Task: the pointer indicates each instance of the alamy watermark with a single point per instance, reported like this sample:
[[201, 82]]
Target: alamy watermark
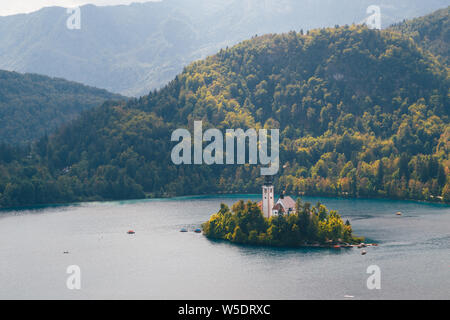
[[374, 20], [73, 22], [374, 281], [73, 282], [235, 143]]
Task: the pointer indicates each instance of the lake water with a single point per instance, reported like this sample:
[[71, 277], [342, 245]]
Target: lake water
[[159, 262]]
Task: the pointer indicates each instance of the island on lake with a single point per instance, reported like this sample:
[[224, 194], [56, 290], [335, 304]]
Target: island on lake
[[284, 223], [307, 226]]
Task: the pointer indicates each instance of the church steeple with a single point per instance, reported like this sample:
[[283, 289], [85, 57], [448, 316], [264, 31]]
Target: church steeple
[[268, 180], [267, 197]]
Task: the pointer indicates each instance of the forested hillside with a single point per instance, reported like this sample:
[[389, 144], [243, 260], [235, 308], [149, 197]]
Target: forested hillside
[[432, 32], [361, 113], [33, 105], [132, 49]]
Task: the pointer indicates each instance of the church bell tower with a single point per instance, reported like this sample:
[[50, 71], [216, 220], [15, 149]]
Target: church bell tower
[[267, 197]]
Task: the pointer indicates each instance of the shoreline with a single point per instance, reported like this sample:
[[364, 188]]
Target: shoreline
[[202, 196], [303, 246]]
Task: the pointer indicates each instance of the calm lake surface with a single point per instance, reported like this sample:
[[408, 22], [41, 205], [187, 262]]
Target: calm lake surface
[[159, 262]]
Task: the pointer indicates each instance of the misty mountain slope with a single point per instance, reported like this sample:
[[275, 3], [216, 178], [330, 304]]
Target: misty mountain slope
[[361, 113], [432, 32], [132, 49], [32, 105]]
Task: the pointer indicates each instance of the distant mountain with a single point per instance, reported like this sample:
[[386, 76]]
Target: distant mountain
[[132, 49], [432, 32], [32, 105], [361, 113]]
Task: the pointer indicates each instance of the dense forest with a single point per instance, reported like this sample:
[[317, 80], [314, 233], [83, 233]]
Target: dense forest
[[33, 105], [432, 32], [245, 224], [361, 113]]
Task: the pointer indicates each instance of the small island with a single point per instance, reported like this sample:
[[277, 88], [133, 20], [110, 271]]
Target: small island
[[281, 223], [309, 226]]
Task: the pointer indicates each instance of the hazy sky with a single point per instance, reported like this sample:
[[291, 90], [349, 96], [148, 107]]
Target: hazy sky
[[8, 7]]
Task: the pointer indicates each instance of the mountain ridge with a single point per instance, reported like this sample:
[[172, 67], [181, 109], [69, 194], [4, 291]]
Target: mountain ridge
[[33, 105], [432, 32], [132, 49]]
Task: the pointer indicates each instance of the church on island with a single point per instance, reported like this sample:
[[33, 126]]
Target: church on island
[[268, 206]]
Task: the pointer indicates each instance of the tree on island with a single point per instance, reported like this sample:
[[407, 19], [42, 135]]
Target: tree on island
[[245, 224]]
